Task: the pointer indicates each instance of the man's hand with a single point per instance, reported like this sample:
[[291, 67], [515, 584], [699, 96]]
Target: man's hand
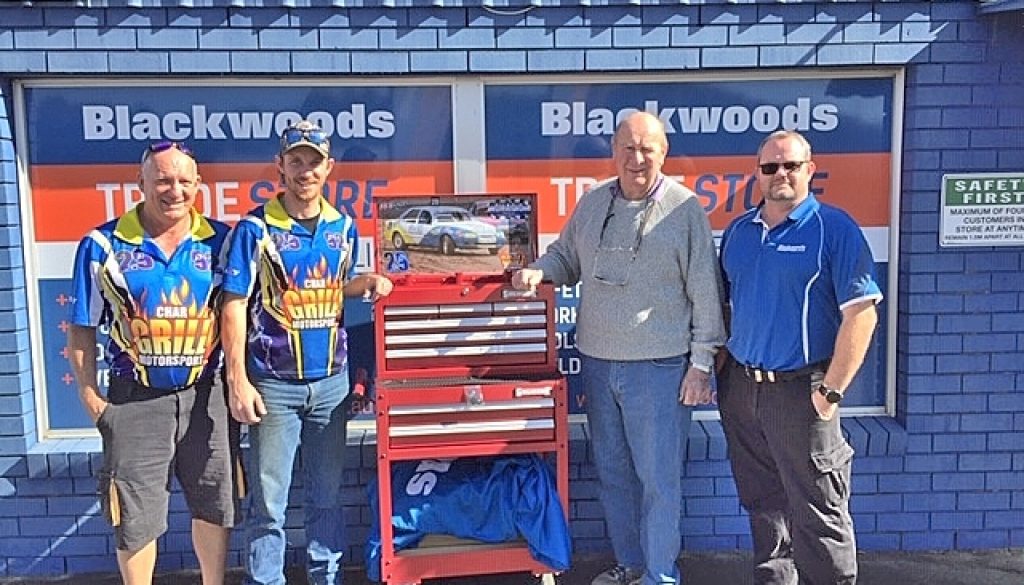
[[377, 286], [246, 402], [527, 279], [825, 409], [93, 403], [696, 388]]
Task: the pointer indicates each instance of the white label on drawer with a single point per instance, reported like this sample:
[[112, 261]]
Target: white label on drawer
[[512, 293], [541, 391]]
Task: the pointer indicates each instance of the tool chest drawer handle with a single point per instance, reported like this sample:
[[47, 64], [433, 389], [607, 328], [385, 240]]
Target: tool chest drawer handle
[[425, 352], [469, 308], [466, 322], [471, 427], [520, 404], [394, 340]]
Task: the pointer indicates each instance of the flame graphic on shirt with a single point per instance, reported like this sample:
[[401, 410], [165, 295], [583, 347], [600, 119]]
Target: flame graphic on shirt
[[313, 300], [179, 332]]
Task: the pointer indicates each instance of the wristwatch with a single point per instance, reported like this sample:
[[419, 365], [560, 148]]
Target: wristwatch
[[832, 396]]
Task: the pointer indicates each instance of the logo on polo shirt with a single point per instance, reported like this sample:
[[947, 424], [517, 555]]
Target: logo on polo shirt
[[335, 241], [201, 260], [285, 242], [791, 248], [178, 333], [316, 302], [131, 260]]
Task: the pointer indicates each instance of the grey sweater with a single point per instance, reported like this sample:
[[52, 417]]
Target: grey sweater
[[670, 303]]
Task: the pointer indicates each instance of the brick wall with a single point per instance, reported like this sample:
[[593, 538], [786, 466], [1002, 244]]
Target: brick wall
[[946, 473], [17, 410], [959, 349]]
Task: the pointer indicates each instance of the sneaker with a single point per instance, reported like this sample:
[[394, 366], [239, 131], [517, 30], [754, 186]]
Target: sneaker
[[619, 575]]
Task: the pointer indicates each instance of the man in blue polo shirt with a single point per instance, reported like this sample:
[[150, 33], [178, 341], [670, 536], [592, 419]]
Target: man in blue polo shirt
[[153, 277], [800, 285], [290, 263]]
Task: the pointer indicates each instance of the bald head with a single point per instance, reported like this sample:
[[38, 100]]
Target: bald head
[[155, 160], [638, 151], [645, 122]]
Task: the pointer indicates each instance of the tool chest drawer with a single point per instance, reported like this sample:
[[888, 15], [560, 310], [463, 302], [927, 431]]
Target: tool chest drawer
[[466, 365]]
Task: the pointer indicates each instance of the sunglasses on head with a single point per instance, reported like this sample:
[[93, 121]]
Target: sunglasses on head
[[314, 136], [772, 168], [166, 145]]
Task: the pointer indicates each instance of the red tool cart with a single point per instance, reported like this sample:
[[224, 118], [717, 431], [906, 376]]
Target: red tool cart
[[466, 365]]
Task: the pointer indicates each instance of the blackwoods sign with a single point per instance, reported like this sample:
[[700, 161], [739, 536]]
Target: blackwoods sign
[[84, 142]]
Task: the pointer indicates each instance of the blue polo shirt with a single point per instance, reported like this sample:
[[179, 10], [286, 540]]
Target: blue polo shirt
[[161, 310], [787, 286], [294, 279]]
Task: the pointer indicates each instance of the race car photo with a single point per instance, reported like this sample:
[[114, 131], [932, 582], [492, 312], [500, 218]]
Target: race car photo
[[443, 228]]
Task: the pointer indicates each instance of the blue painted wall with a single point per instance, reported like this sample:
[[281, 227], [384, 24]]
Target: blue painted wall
[[946, 473]]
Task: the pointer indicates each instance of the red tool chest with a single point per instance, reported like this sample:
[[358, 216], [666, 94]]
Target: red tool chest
[[466, 365]]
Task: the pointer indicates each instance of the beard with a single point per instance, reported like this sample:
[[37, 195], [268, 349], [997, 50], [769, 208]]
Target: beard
[[780, 193]]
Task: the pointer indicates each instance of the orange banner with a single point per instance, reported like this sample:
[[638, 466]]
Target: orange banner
[[69, 200], [858, 183]]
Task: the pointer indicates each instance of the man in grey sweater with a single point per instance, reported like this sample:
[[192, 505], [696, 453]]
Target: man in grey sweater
[[649, 325]]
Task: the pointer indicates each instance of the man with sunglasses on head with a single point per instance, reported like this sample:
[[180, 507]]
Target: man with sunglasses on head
[[290, 264], [800, 286], [153, 276], [649, 324]]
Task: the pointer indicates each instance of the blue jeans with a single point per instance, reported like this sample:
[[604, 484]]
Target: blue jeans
[[313, 414], [638, 431]]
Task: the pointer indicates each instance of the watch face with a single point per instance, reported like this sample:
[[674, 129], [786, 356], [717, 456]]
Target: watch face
[[831, 396]]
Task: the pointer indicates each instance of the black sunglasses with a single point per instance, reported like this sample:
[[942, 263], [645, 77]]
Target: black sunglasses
[[314, 136], [772, 168], [166, 145]]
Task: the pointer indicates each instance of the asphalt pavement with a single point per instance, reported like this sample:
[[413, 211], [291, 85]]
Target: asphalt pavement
[[990, 567]]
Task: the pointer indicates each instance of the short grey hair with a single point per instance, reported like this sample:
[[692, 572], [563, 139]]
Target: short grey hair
[[782, 135]]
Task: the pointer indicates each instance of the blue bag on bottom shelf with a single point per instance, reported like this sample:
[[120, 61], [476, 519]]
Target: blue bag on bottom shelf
[[490, 499]]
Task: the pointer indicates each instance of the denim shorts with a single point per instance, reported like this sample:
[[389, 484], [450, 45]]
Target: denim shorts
[[151, 435]]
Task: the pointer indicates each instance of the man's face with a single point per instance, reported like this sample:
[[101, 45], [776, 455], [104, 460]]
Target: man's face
[[638, 152], [785, 186], [169, 180], [304, 172]]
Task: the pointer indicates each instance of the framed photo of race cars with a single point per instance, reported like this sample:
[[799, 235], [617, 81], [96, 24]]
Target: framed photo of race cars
[[447, 234]]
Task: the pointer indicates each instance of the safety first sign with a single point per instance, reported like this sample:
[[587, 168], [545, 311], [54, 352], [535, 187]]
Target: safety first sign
[[982, 210]]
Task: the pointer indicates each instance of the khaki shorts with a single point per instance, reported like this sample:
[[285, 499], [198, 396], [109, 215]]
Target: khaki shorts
[[151, 435]]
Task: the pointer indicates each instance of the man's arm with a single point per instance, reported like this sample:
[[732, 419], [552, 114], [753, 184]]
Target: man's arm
[[82, 347], [704, 288], [560, 264], [852, 341], [245, 401], [703, 282], [855, 332]]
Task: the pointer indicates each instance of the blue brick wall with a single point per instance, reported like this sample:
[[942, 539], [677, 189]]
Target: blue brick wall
[[956, 358], [17, 410], [946, 473]]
